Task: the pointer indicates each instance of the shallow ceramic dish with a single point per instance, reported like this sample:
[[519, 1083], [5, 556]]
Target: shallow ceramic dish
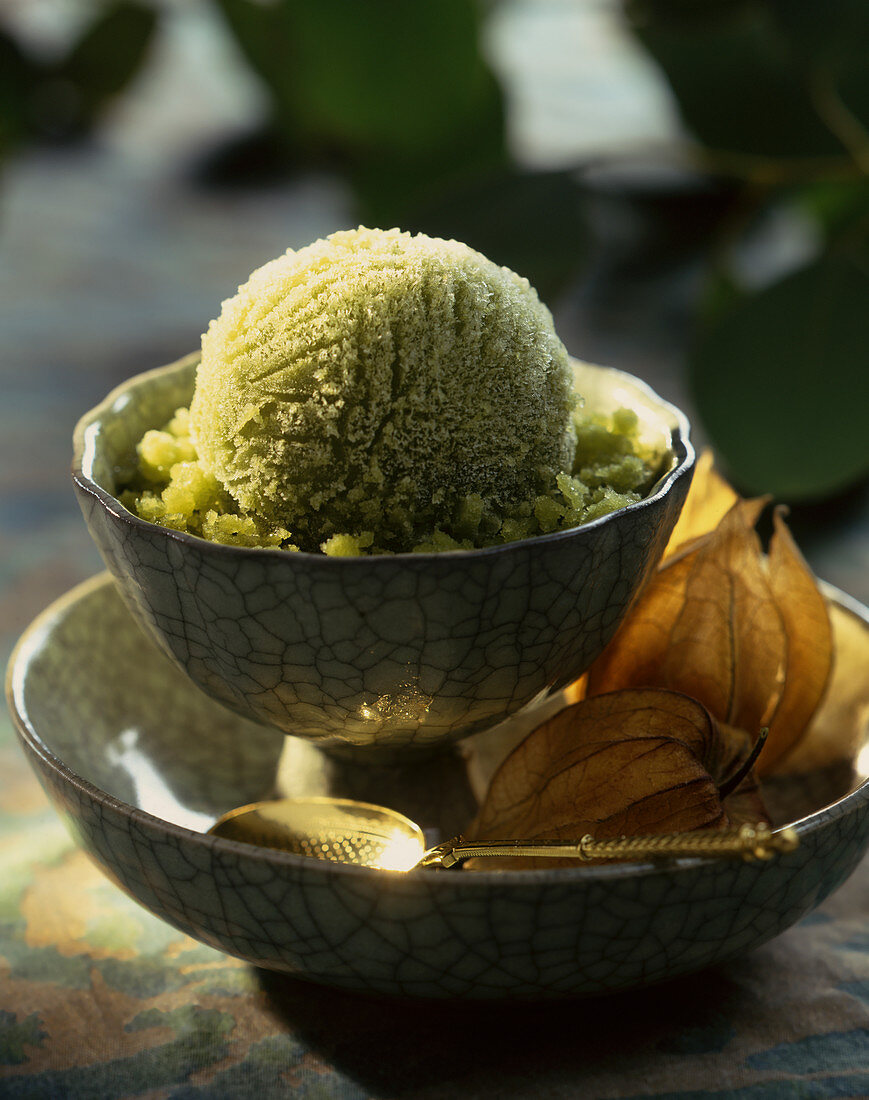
[[140, 765], [394, 652]]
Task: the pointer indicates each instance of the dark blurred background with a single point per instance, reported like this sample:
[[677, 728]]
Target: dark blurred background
[[686, 182]]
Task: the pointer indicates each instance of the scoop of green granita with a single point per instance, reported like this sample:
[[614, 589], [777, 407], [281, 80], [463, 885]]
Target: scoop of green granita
[[381, 392]]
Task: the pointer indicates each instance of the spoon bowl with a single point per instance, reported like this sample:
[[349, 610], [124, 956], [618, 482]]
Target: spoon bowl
[[341, 830]]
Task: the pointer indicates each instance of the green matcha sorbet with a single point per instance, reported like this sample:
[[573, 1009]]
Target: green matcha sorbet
[[380, 392]]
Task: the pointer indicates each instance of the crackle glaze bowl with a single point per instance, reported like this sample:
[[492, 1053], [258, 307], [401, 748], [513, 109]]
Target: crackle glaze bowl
[[140, 765], [394, 653]]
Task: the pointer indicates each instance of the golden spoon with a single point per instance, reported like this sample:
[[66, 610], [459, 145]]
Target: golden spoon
[[343, 830]]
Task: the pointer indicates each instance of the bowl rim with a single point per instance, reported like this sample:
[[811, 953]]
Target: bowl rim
[[32, 640], [683, 466]]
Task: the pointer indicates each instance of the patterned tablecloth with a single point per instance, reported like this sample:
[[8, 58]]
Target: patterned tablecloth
[[107, 270]]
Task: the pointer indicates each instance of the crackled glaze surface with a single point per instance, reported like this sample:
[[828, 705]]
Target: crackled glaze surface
[[396, 652], [84, 677]]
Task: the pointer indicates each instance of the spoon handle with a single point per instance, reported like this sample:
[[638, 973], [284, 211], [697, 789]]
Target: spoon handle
[[748, 842]]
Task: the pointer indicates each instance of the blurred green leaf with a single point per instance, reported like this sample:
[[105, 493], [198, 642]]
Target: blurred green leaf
[[852, 84], [840, 36], [741, 84], [722, 292], [19, 75], [390, 188], [840, 207], [396, 94], [107, 56], [532, 222], [781, 381], [833, 52], [400, 78]]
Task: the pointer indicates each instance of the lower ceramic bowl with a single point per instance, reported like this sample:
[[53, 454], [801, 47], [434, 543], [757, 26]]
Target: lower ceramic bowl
[[140, 764]]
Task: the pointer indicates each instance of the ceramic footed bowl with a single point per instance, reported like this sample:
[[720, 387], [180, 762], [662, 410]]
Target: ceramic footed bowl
[[140, 764], [398, 652]]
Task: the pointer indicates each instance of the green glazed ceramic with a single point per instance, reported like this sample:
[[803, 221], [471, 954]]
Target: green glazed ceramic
[[399, 652], [141, 765]]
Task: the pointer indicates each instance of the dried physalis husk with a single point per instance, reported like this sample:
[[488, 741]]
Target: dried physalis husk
[[709, 500], [839, 730], [624, 764], [746, 635], [706, 625], [809, 656]]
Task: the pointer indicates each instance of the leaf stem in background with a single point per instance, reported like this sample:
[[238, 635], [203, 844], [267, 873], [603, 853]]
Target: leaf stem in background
[[837, 117], [773, 171], [730, 785], [753, 168]]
